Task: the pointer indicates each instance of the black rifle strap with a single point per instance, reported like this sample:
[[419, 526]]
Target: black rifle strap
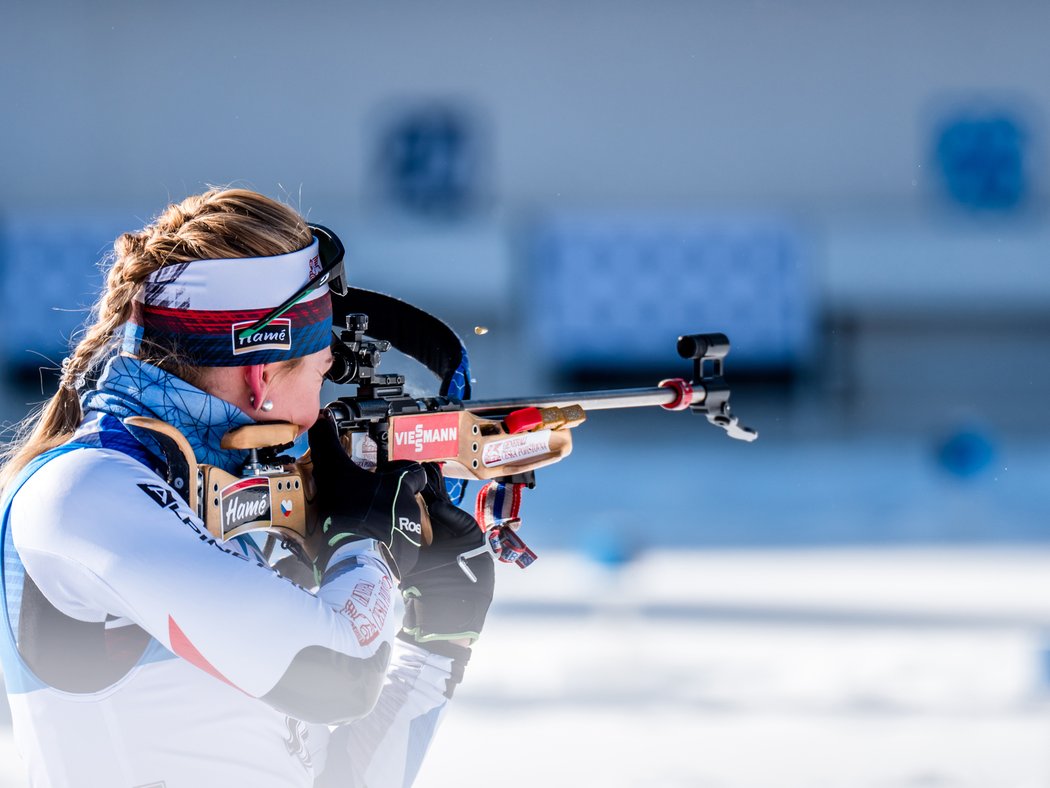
[[411, 331]]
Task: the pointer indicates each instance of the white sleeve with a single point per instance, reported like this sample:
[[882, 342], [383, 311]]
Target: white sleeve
[[102, 535], [386, 748]]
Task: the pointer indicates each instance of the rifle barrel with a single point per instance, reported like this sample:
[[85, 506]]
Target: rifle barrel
[[588, 400]]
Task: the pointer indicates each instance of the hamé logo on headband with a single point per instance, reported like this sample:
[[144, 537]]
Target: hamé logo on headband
[[276, 336]]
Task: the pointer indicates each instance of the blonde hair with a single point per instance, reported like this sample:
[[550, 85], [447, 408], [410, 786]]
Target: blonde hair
[[218, 224]]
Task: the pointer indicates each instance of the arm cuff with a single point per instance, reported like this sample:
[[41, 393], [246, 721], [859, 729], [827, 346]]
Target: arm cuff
[[351, 554], [459, 655]]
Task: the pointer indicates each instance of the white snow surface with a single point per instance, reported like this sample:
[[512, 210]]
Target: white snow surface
[[819, 667], [895, 667]]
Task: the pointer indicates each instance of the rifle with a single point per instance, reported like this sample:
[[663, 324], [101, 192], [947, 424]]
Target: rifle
[[501, 441], [498, 441], [497, 438]]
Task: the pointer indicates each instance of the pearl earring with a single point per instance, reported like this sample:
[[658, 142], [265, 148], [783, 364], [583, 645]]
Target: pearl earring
[[266, 407]]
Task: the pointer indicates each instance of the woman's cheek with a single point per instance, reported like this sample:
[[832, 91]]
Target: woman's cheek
[[310, 419], [311, 411]]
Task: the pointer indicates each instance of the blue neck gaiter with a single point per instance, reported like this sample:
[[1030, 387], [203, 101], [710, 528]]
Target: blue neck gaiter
[[130, 387]]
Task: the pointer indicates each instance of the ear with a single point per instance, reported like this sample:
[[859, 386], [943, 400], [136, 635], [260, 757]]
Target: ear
[[257, 379]]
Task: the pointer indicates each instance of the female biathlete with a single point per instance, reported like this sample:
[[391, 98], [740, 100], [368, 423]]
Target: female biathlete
[[138, 650]]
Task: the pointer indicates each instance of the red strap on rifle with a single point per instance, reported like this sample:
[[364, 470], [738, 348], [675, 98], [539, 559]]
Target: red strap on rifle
[[497, 509]]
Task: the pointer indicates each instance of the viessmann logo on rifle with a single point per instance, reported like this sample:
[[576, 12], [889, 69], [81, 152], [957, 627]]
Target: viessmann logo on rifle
[[243, 502], [425, 437], [276, 336]]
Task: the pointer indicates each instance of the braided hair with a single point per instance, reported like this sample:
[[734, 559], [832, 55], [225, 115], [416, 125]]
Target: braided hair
[[218, 224]]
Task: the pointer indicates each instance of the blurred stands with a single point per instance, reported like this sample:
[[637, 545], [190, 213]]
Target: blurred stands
[[50, 278], [610, 293]]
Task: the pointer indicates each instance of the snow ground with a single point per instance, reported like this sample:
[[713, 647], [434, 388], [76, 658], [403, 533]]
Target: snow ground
[[890, 668], [903, 667]]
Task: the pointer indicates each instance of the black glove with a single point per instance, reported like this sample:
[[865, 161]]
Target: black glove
[[441, 602], [357, 504]]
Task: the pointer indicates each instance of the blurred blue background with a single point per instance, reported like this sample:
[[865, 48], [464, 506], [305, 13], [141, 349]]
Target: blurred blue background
[[857, 194]]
